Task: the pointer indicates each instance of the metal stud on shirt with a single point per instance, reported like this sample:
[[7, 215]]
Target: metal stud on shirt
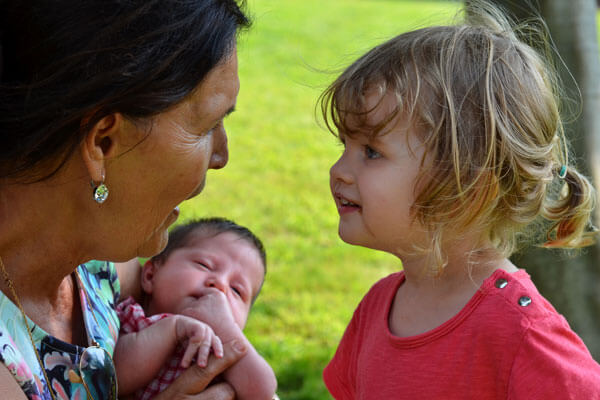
[[501, 283], [524, 301]]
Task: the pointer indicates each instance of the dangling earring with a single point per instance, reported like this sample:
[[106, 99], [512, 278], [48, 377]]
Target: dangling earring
[[100, 191]]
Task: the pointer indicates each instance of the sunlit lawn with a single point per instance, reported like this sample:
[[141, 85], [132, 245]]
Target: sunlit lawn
[[276, 182]]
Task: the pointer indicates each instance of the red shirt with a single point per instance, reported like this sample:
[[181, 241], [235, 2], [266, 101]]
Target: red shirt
[[499, 346]]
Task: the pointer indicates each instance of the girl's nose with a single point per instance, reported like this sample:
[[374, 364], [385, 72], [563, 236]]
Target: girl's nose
[[340, 172]]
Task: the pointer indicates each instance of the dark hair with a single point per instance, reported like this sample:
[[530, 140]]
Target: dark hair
[[181, 235], [65, 64]]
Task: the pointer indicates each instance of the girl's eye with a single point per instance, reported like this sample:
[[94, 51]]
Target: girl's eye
[[371, 153]]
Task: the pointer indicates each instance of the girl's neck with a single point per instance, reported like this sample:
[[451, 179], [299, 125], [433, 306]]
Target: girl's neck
[[464, 266], [426, 300]]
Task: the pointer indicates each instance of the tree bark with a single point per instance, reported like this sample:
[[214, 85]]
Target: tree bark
[[571, 282]]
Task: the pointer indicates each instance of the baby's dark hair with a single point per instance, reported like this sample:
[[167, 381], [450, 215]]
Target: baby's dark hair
[[485, 106], [181, 235]]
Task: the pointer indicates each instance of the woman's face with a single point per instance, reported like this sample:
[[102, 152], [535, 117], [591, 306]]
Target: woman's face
[[169, 166]]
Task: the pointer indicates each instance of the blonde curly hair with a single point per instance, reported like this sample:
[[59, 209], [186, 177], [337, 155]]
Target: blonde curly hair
[[485, 105]]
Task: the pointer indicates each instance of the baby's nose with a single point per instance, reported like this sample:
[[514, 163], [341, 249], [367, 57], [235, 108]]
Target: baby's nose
[[216, 283]]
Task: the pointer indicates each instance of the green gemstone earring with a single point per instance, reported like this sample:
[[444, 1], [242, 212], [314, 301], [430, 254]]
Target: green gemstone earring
[[100, 191]]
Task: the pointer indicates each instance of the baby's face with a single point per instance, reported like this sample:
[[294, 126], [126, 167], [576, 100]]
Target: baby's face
[[225, 262]]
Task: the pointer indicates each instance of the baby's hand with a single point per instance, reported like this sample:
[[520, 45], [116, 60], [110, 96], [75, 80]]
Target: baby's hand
[[198, 338], [212, 308]]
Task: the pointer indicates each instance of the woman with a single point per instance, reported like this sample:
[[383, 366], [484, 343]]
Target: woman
[[128, 97]]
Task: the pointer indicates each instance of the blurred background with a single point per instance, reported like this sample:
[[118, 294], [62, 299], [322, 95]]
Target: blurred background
[[277, 179]]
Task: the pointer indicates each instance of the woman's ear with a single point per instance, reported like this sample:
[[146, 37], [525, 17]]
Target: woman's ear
[[148, 271], [100, 144]]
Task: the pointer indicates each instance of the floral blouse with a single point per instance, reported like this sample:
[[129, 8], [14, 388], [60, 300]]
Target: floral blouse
[[97, 283]]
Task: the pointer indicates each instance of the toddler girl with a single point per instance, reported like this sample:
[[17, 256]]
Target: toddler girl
[[452, 145]]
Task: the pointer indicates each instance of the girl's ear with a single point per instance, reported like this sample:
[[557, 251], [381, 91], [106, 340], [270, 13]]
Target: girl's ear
[[148, 271], [100, 144]]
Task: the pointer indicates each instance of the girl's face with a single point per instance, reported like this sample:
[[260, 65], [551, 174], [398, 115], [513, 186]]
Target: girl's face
[[373, 185], [168, 166]]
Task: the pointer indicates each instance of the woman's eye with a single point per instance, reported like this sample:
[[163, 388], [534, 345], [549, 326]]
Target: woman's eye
[[211, 130], [371, 153], [217, 126]]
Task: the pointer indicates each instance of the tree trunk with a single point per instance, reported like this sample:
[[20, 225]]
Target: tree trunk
[[571, 282]]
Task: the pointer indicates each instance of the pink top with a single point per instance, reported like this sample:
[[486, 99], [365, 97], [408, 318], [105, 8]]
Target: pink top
[[133, 319], [508, 342]]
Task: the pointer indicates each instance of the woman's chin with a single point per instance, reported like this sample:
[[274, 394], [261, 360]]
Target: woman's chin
[[155, 245], [158, 241]]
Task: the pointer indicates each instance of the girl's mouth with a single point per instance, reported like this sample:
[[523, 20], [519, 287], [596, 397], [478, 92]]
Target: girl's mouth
[[347, 203], [346, 206]]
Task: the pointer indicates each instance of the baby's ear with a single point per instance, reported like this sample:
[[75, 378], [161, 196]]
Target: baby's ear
[[148, 276]]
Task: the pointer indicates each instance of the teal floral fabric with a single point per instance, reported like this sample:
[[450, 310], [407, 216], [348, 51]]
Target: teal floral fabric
[[97, 283]]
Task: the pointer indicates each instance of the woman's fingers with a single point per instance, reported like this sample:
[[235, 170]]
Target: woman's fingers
[[190, 384], [220, 391]]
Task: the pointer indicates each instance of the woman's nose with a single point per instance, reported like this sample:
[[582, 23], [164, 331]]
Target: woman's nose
[[220, 154]]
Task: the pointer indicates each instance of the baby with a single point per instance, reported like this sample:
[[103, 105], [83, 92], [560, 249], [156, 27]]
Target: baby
[[196, 295]]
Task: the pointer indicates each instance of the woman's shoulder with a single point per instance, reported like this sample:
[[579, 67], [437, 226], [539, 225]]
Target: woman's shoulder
[[100, 276], [17, 356]]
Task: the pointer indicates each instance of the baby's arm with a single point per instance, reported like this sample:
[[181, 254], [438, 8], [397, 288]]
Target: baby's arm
[[139, 356], [251, 377]]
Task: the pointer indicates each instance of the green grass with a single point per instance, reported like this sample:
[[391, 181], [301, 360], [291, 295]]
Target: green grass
[[277, 180]]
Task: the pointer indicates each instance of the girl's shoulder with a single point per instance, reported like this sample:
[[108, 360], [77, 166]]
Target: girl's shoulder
[[544, 343], [383, 289], [514, 296]]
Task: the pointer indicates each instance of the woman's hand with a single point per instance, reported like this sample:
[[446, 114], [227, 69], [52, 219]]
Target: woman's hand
[[192, 384]]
